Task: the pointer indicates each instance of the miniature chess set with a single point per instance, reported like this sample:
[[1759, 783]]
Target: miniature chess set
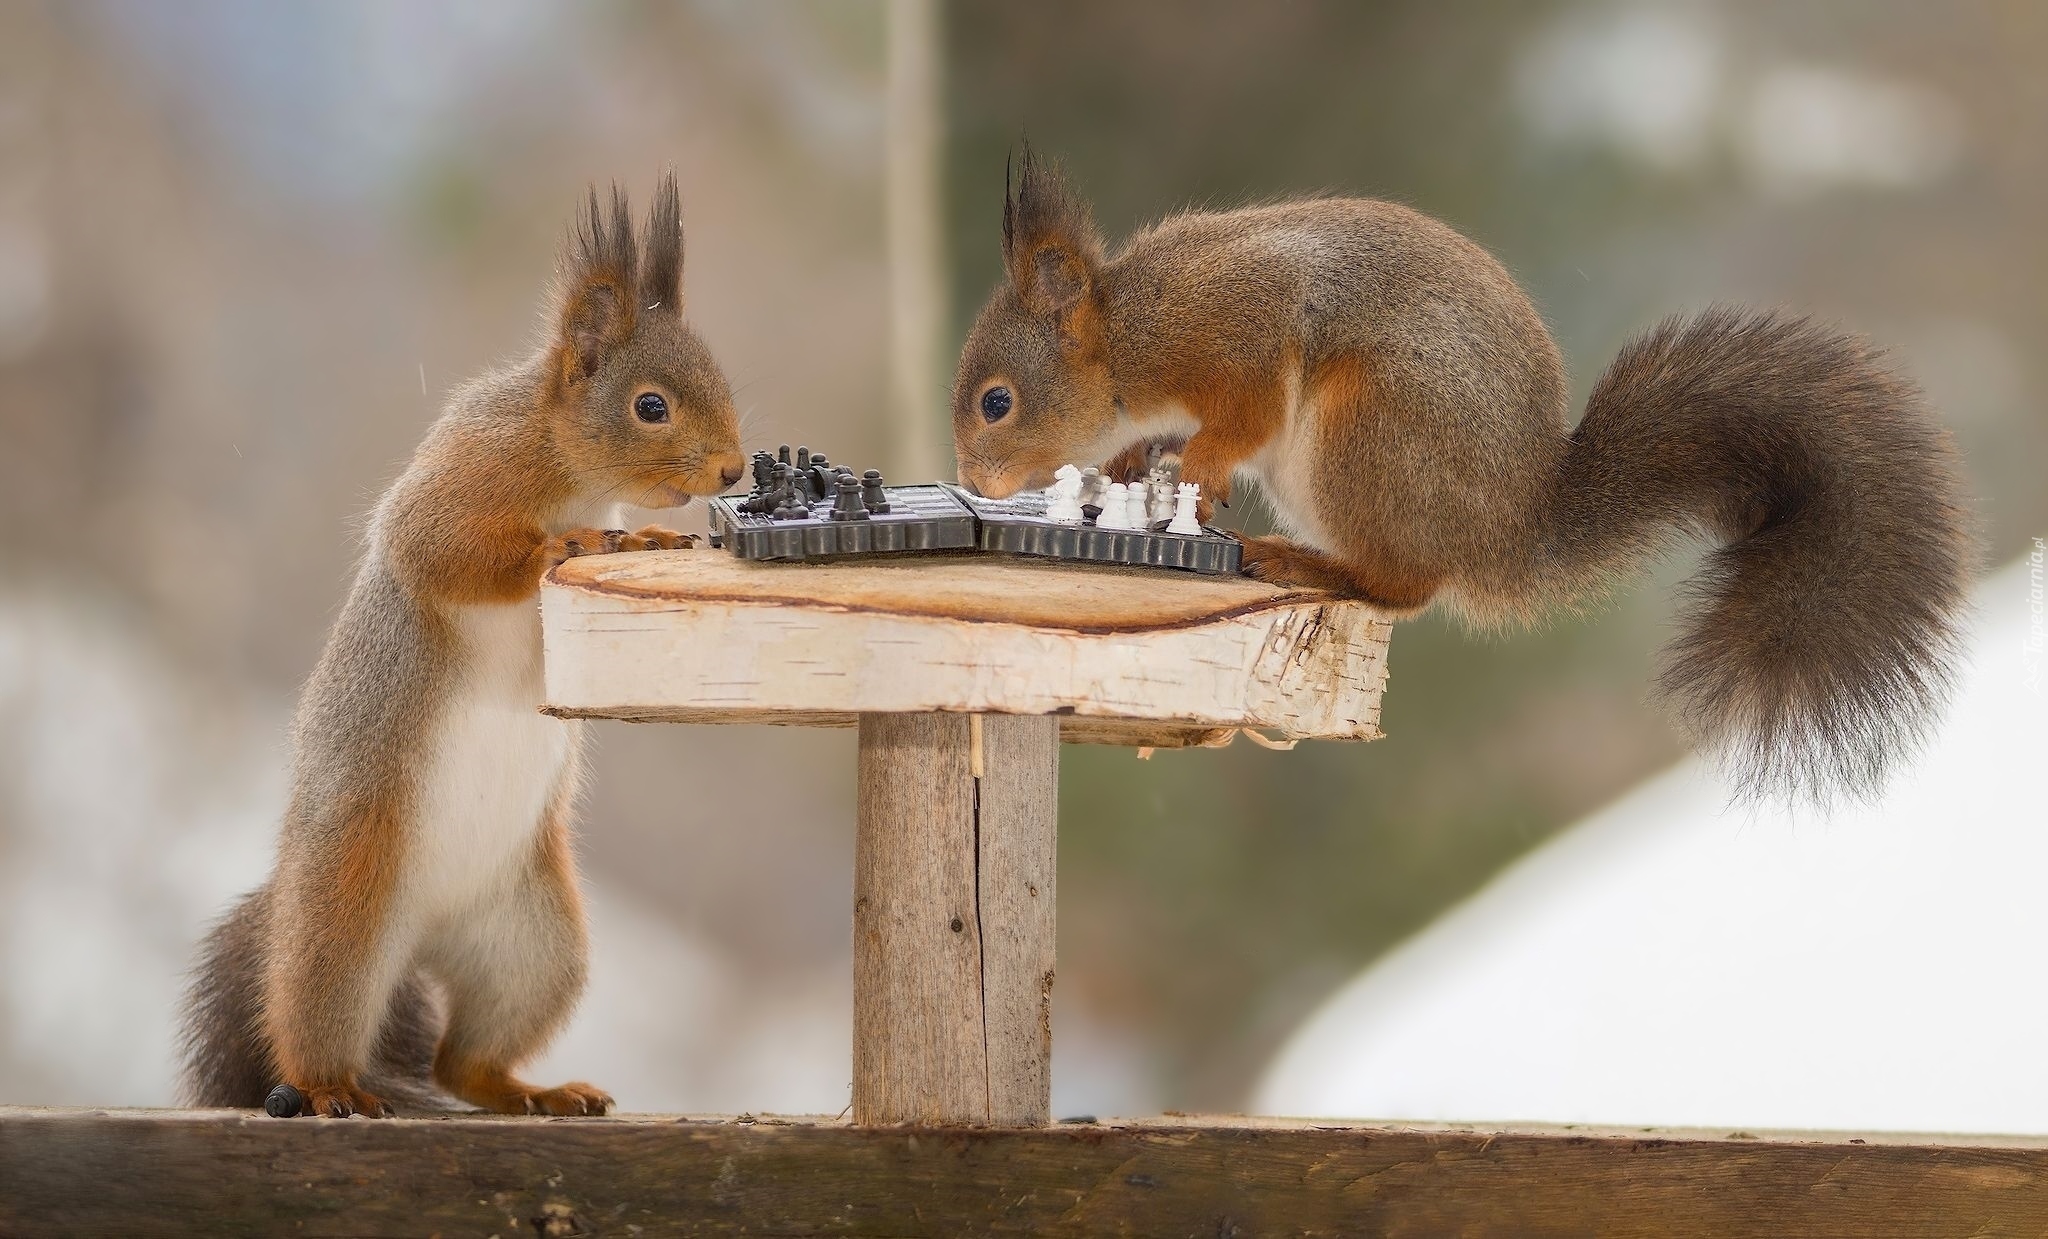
[[802, 506]]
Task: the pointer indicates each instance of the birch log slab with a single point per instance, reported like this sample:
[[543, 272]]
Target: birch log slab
[[1124, 655]]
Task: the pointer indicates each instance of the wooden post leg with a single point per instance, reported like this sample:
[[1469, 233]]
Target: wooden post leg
[[953, 921]]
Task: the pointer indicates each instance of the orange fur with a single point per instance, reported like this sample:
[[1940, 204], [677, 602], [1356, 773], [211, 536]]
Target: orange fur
[[425, 847], [1430, 454]]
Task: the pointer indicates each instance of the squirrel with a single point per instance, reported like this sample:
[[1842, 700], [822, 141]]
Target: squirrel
[[422, 927], [1402, 409]]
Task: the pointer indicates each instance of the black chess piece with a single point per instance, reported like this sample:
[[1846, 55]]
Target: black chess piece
[[871, 492], [782, 454], [773, 494], [1089, 511], [846, 506], [803, 458], [764, 471], [820, 482], [284, 1102]]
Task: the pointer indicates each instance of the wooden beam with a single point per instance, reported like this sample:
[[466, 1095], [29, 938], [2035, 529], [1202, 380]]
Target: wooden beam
[[170, 1173], [953, 920]]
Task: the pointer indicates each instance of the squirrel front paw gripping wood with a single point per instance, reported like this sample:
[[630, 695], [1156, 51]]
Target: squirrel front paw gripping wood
[[422, 926], [1402, 408]]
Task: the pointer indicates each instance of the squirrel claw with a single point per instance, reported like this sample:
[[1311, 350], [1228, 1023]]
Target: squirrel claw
[[656, 538], [342, 1100], [570, 1099], [578, 542]]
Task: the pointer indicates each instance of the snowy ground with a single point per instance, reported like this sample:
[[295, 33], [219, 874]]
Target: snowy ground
[[1674, 962]]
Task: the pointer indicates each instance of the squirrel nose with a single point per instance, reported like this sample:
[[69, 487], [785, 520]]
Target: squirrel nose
[[731, 474]]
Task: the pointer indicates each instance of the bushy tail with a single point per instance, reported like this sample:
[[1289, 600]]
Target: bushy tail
[[1817, 642], [228, 1060]]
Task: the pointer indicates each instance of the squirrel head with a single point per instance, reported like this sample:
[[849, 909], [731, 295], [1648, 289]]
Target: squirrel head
[[641, 411], [1034, 391]]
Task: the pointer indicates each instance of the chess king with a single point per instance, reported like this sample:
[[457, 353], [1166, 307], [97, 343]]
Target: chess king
[[1402, 407], [425, 848]]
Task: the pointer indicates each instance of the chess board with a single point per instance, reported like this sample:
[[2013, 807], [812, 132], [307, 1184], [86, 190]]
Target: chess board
[[920, 518], [1018, 526], [802, 507]]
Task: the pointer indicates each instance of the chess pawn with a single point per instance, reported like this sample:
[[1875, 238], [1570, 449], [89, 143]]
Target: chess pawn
[[1137, 509], [871, 493], [1158, 502], [1116, 508], [1092, 486], [846, 506], [1184, 514]]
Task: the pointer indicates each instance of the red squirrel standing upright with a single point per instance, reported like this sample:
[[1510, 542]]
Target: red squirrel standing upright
[[423, 921], [1402, 408]]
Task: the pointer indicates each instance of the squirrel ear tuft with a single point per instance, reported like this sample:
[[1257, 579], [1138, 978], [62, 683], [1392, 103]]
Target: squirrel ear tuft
[[597, 296], [1051, 247], [661, 279]]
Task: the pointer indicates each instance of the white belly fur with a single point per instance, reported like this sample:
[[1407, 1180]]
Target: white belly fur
[[1285, 470], [494, 764]]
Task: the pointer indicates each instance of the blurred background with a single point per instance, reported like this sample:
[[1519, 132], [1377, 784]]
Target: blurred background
[[246, 249]]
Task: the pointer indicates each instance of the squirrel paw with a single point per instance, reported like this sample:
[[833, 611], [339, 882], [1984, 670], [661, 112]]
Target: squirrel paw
[[1279, 561], [339, 1101], [569, 1099], [575, 542], [655, 538], [1130, 464], [495, 1088], [510, 1096]]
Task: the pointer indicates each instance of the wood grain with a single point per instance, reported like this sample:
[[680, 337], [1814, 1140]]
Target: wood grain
[[953, 911], [918, 1049], [1129, 733], [704, 637], [974, 588], [214, 1173], [1017, 816]]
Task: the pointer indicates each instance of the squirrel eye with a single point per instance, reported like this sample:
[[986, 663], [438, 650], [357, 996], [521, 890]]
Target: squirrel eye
[[995, 404], [650, 407]]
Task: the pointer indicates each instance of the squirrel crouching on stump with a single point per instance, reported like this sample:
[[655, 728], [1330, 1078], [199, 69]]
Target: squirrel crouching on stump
[[1403, 409], [422, 926]]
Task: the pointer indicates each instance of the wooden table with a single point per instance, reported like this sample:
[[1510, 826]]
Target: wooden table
[[964, 674]]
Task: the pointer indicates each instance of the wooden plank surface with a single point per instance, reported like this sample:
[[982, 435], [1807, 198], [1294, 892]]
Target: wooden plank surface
[[1128, 733], [170, 1174], [918, 1048], [953, 921], [1017, 816], [700, 636]]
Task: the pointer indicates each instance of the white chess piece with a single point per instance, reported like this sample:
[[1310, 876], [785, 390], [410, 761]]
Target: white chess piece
[[1137, 511], [1158, 500], [1184, 512], [1116, 508], [1066, 496], [1092, 486]]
